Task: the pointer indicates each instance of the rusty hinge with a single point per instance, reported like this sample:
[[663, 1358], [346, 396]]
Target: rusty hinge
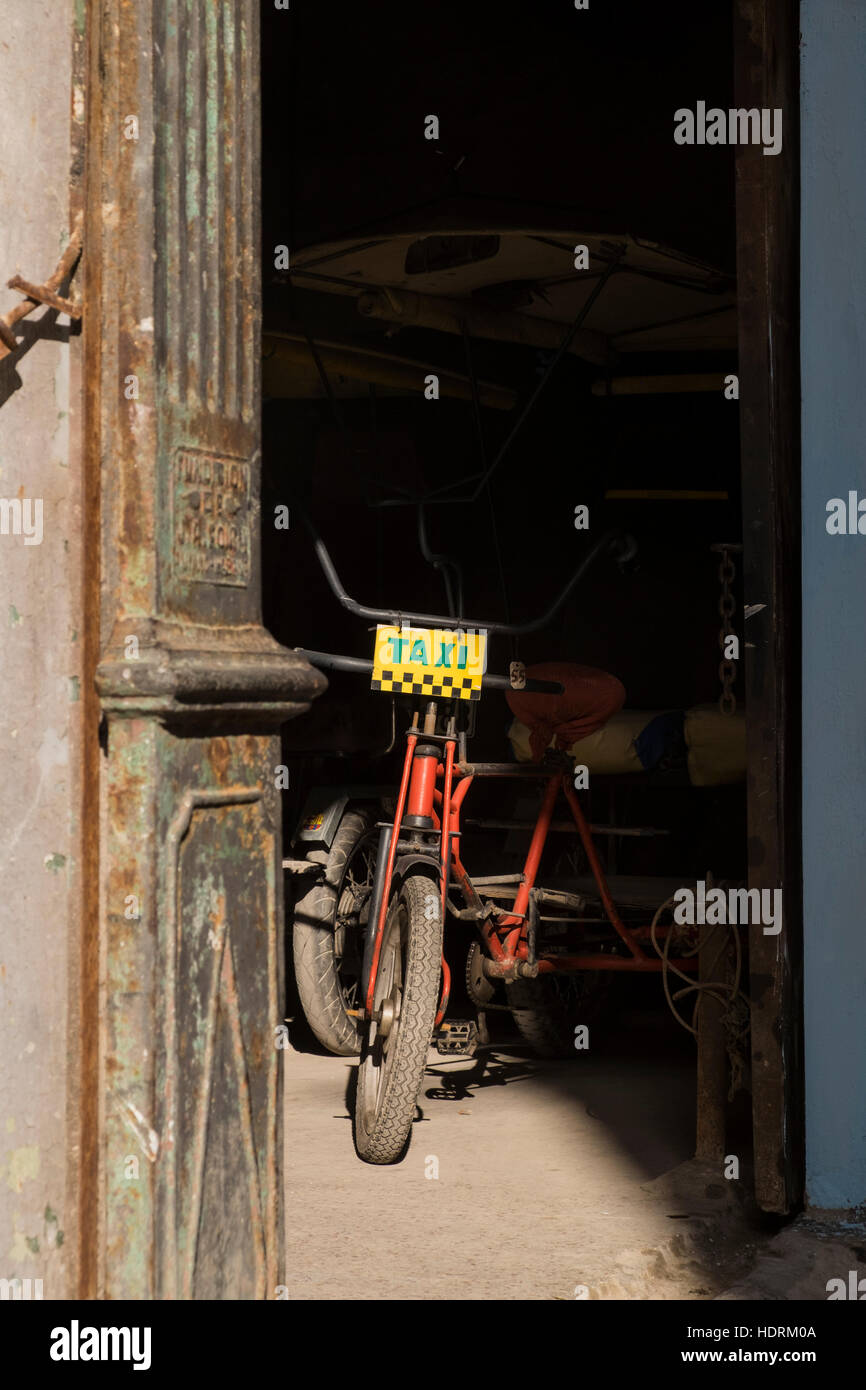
[[46, 293]]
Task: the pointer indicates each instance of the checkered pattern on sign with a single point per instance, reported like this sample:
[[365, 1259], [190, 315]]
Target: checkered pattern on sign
[[443, 688]]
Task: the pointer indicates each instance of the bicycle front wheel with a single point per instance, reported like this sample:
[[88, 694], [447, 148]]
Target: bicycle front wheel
[[394, 1052]]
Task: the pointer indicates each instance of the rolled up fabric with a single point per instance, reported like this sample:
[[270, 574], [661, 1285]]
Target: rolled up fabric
[[589, 699]]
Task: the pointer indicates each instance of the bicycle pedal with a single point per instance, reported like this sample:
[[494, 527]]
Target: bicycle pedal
[[457, 1039]]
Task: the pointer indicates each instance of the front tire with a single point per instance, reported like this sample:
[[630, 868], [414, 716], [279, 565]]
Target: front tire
[[394, 1055], [328, 933]]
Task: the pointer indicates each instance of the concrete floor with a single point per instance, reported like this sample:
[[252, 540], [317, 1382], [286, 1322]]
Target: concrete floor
[[545, 1180]]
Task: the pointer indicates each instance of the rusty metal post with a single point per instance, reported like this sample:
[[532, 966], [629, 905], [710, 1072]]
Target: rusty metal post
[[767, 55], [181, 1193]]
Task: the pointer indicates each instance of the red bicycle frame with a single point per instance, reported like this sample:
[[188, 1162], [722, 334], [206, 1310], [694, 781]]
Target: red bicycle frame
[[430, 781]]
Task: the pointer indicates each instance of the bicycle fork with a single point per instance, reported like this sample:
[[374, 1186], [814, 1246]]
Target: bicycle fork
[[415, 814]]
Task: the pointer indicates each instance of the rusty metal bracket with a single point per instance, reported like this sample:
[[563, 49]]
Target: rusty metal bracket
[[46, 293]]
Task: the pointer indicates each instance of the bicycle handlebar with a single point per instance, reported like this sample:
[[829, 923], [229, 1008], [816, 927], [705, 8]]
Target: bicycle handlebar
[[359, 667], [613, 541]]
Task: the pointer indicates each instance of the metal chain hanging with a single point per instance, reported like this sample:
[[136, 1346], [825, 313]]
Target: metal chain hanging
[[727, 608]]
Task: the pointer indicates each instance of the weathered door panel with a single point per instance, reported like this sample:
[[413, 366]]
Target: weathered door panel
[[192, 688], [219, 1068]]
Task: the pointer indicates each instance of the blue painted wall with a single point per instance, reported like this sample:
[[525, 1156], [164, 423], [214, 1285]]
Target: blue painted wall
[[833, 362]]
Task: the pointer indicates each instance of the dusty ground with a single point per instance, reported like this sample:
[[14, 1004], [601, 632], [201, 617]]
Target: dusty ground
[[550, 1182], [803, 1260]]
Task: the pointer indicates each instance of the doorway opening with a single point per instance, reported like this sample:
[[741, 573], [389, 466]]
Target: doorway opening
[[501, 320]]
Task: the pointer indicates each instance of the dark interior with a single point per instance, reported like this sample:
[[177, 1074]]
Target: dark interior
[[517, 90]]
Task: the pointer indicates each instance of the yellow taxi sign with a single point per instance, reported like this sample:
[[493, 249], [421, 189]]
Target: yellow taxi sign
[[439, 663]]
